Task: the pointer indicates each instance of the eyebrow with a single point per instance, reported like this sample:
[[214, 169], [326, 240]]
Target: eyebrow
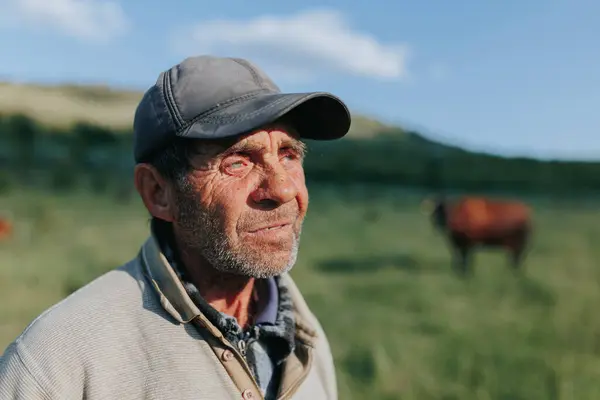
[[248, 147], [296, 145]]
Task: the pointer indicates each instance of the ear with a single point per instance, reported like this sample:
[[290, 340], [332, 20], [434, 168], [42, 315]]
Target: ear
[[154, 191]]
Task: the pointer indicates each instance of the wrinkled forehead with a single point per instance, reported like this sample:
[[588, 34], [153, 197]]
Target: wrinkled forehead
[[281, 134]]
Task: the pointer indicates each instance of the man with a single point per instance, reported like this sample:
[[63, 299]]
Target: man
[[207, 309]]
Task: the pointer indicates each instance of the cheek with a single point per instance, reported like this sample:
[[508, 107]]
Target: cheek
[[230, 201], [223, 197], [215, 191], [297, 176]]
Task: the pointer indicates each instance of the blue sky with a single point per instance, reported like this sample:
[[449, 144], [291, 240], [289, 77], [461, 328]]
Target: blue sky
[[511, 77]]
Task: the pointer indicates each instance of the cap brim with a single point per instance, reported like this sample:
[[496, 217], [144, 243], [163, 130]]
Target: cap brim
[[315, 115]]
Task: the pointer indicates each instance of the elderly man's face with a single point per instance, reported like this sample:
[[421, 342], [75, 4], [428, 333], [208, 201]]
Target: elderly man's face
[[243, 205]]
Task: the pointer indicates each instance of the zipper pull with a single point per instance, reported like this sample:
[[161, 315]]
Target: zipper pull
[[242, 347]]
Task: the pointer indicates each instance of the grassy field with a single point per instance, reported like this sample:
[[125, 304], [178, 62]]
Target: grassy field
[[402, 326]]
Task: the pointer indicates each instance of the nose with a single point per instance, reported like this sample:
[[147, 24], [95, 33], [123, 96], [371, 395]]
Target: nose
[[277, 188]]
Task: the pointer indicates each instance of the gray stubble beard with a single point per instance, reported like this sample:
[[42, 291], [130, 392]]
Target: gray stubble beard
[[203, 232]]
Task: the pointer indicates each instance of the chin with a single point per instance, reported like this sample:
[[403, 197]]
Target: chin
[[266, 260], [281, 250], [265, 273], [276, 263]]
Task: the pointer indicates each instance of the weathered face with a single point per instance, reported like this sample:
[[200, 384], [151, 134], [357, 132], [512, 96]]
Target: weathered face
[[242, 206]]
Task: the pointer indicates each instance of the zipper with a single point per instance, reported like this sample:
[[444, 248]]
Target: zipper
[[247, 339], [240, 352], [242, 347]]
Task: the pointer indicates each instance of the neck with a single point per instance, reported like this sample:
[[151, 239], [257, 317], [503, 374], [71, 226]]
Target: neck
[[228, 293]]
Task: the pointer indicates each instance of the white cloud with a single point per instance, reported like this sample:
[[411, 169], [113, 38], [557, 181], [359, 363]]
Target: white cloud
[[89, 20], [299, 46]]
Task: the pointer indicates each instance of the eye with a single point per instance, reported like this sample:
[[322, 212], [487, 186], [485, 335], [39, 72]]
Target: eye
[[289, 153], [236, 163]]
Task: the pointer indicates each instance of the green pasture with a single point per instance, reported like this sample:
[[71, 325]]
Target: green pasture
[[401, 324]]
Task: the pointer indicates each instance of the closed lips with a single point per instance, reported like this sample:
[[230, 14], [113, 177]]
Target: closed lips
[[270, 227]]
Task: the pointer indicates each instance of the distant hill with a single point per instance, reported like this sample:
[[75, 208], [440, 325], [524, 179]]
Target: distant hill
[[392, 154], [62, 105]]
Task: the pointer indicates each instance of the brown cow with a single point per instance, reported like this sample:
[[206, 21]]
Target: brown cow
[[471, 222], [5, 229]]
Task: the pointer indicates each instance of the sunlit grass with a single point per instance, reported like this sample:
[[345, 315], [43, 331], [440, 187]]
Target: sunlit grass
[[401, 325]]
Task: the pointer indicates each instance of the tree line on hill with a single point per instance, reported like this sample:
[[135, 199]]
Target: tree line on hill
[[34, 154]]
